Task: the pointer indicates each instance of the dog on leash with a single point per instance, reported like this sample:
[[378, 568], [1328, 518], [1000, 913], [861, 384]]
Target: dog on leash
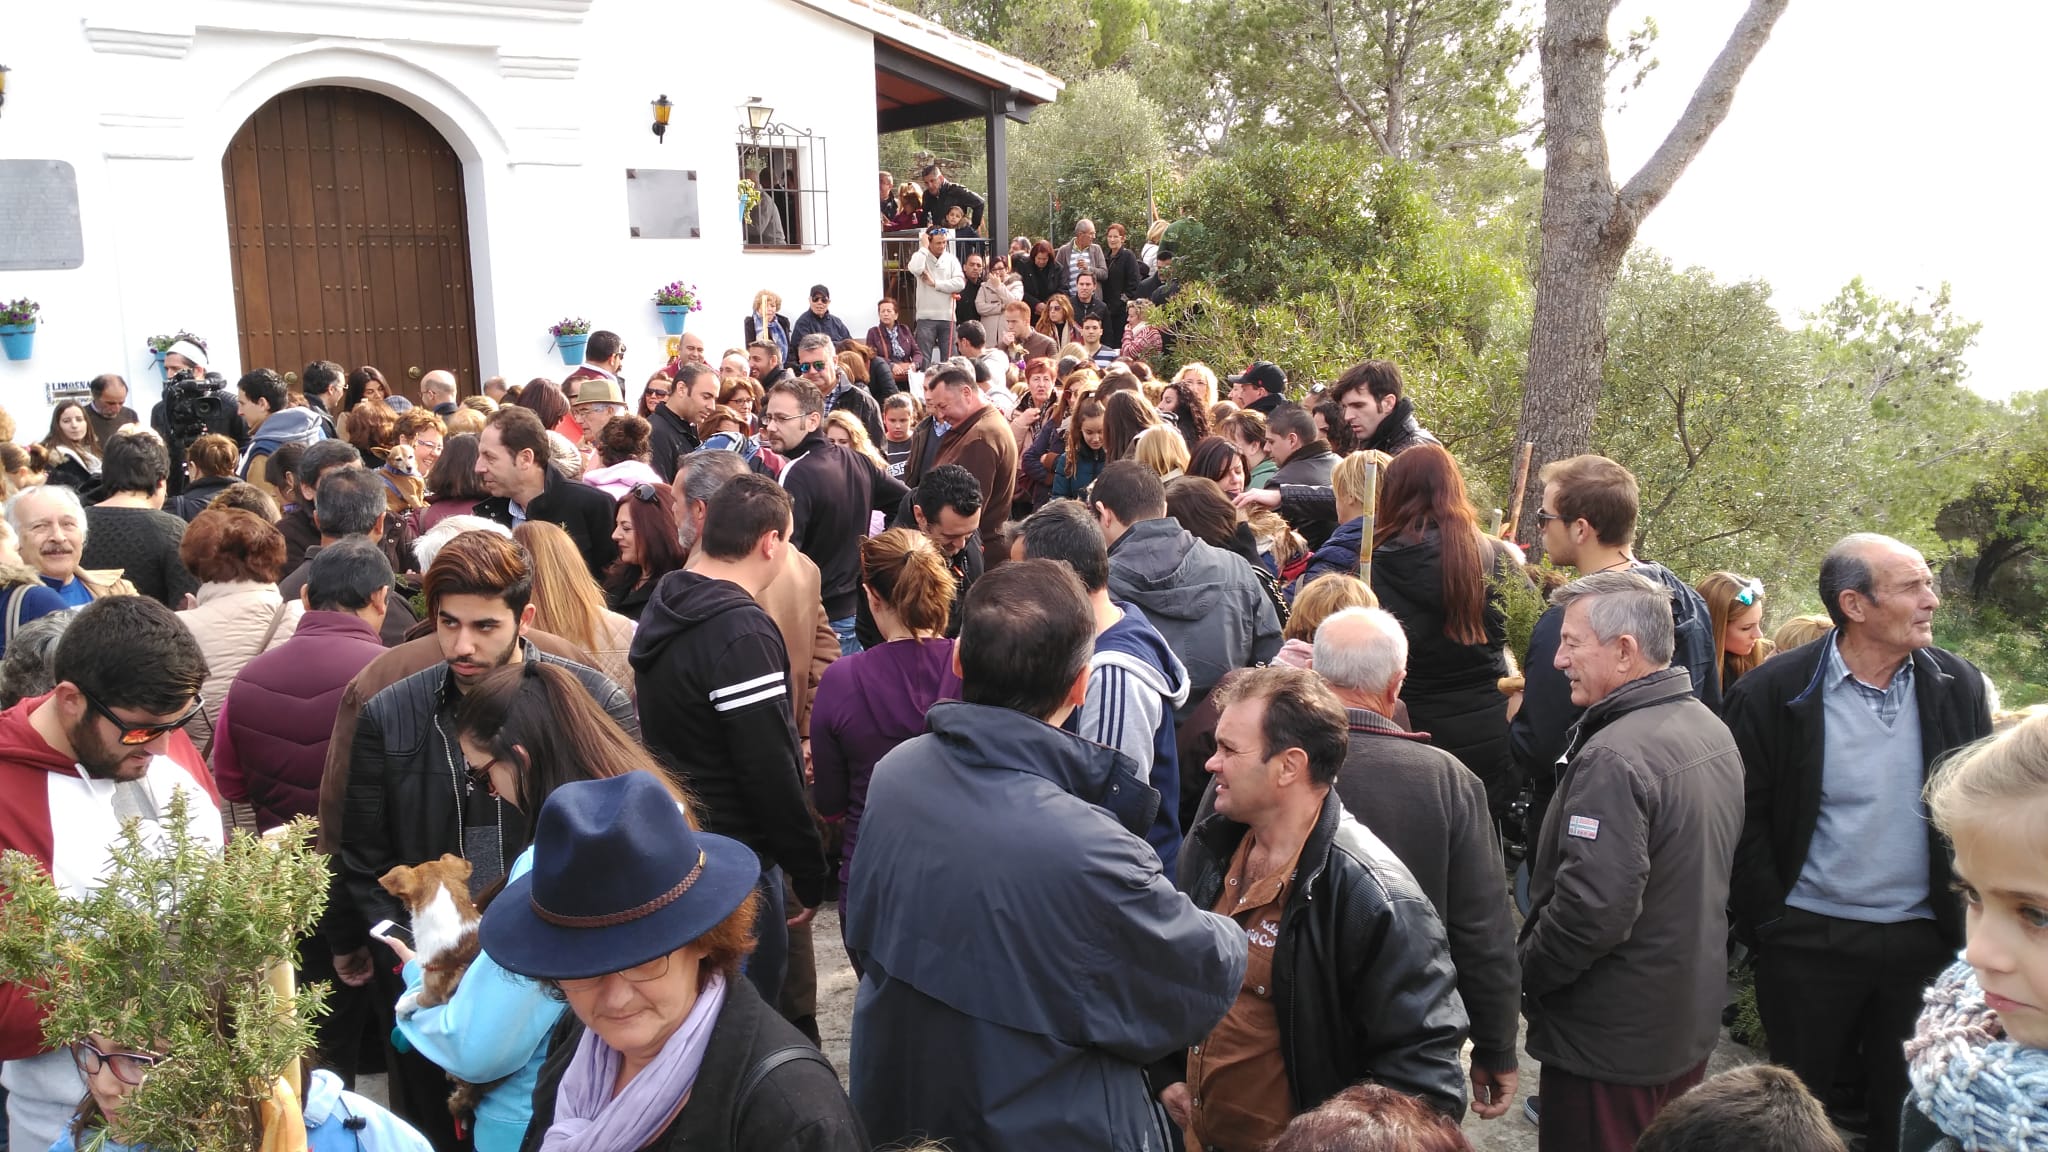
[[444, 926]]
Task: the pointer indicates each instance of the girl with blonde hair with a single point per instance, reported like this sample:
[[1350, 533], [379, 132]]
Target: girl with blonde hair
[[568, 602], [1978, 1058], [1161, 449]]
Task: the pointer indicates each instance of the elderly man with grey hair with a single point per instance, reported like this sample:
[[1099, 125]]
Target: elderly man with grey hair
[[1431, 810], [1624, 963], [1841, 881]]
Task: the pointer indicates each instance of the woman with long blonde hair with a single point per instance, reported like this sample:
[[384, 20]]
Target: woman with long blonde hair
[[568, 602], [1736, 606], [1161, 449]]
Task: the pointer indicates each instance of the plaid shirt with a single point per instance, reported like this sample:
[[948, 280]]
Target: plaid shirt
[[1885, 702]]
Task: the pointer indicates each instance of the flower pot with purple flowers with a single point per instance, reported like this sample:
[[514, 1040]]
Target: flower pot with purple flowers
[[18, 320], [675, 301], [570, 337]]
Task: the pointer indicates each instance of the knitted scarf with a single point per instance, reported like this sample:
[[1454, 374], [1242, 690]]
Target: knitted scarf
[[1987, 1092]]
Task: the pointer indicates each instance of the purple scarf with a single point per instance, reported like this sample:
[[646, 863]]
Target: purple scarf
[[588, 1118]]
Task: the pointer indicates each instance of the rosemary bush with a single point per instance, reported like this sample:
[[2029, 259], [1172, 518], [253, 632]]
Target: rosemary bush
[[169, 956]]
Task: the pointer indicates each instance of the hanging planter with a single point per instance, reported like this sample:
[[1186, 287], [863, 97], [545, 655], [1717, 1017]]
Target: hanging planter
[[570, 337], [675, 301], [18, 328]]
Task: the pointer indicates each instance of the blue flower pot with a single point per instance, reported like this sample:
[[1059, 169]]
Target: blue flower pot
[[156, 361], [17, 340], [571, 347], [672, 317]]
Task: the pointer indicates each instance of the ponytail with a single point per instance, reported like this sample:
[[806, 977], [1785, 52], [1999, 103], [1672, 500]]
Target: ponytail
[[905, 570]]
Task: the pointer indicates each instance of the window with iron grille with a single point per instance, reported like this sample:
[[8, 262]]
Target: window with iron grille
[[788, 165]]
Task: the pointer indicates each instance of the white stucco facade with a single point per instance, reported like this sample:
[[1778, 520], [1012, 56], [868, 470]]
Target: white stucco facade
[[546, 102]]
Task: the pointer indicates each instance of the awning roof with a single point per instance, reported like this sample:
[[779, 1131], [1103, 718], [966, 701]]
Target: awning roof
[[927, 74]]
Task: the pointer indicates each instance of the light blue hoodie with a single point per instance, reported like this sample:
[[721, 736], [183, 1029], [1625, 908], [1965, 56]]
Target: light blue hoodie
[[495, 1027], [337, 1120]]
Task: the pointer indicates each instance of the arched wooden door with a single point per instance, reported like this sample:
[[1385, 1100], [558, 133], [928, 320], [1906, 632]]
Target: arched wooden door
[[350, 239]]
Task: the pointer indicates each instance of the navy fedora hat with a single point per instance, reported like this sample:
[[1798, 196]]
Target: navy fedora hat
[[619, 878]]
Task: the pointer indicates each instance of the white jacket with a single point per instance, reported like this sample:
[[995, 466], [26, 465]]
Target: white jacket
[[935, 300], [230, 623]]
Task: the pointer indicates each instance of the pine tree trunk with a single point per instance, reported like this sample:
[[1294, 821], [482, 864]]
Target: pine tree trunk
[[1588, 224]]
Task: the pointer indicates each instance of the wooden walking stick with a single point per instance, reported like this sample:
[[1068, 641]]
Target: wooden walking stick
[[1522, 460], [1372, 503]]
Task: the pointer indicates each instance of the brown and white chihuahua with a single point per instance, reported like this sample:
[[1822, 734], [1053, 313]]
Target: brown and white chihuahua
[[444, 926]]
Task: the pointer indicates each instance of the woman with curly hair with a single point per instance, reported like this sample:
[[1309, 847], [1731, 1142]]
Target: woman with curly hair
[[1184, 411]]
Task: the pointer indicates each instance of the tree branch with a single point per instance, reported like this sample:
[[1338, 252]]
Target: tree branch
[[1709, 106], [1379, 138]]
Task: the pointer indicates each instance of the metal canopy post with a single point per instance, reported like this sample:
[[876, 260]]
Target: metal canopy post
[[997, 227]]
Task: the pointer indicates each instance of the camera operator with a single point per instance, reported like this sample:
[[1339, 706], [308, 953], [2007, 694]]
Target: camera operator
[[197, 396]]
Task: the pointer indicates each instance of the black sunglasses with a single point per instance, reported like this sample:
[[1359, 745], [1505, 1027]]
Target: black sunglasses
[[1543, 518], [134, 734], [646, 494]]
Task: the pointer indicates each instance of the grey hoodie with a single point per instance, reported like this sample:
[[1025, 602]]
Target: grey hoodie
[[1204, 601]]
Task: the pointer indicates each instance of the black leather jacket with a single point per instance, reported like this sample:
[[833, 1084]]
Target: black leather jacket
[[1362, 976], [408, 795]]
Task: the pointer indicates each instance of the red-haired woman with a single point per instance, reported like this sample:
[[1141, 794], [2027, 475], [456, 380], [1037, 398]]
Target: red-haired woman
[[645, 531], [1439, 575]]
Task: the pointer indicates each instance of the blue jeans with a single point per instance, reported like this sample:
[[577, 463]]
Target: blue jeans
[[849, 643], [770, 962]]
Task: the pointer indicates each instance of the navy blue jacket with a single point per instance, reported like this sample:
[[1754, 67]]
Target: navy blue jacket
[[1023, 955]]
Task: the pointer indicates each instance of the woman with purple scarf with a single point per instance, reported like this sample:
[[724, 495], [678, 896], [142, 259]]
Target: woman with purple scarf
[[641, 924]]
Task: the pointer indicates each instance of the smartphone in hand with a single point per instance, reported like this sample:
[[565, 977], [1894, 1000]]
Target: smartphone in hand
[[390, 930]]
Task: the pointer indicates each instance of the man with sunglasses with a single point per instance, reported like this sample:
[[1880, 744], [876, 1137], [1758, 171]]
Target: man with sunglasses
[[103, 747], [815, 361]]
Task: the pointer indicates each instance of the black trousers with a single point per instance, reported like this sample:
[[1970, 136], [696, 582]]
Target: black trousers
[[1825, 985]]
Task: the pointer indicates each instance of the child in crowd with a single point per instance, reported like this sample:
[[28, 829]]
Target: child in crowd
[[1754, 1108], [1084, 458], [899, 414], [1979, 1057]]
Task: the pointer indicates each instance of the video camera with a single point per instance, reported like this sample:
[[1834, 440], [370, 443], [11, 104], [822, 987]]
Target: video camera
[[196, 406]]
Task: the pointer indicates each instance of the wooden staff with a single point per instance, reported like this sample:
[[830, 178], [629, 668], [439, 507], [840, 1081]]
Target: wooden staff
[[1522, 461], [1372, 503]]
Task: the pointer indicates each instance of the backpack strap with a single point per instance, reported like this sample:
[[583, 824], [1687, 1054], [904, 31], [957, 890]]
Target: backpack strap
[[763, 1070], [14, 601]]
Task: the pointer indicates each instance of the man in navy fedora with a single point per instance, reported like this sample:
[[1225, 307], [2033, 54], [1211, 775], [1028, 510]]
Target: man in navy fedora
[[1023, 955], [643, 923]]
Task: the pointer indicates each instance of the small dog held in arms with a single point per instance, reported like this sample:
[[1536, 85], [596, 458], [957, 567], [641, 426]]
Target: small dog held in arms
[[405, 489], [444, 924]]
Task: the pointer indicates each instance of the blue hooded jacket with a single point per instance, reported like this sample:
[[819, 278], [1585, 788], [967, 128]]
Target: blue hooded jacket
[[330, 1110], [1134, 684], [291, 426]]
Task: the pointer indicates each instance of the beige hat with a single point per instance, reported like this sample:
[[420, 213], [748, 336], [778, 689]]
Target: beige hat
[[598, 390]]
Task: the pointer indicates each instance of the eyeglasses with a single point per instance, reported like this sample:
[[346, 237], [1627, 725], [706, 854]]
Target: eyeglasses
[[814, 365], [134, 734], [658, 393], [646, 973], [130, 1068], [646, 494], [1544, 518], [821, 299], [480, 774], [1750, 593], [784, 418]]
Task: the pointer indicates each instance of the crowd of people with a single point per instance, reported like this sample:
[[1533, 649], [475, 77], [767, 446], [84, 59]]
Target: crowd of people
[[1200, 797]]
